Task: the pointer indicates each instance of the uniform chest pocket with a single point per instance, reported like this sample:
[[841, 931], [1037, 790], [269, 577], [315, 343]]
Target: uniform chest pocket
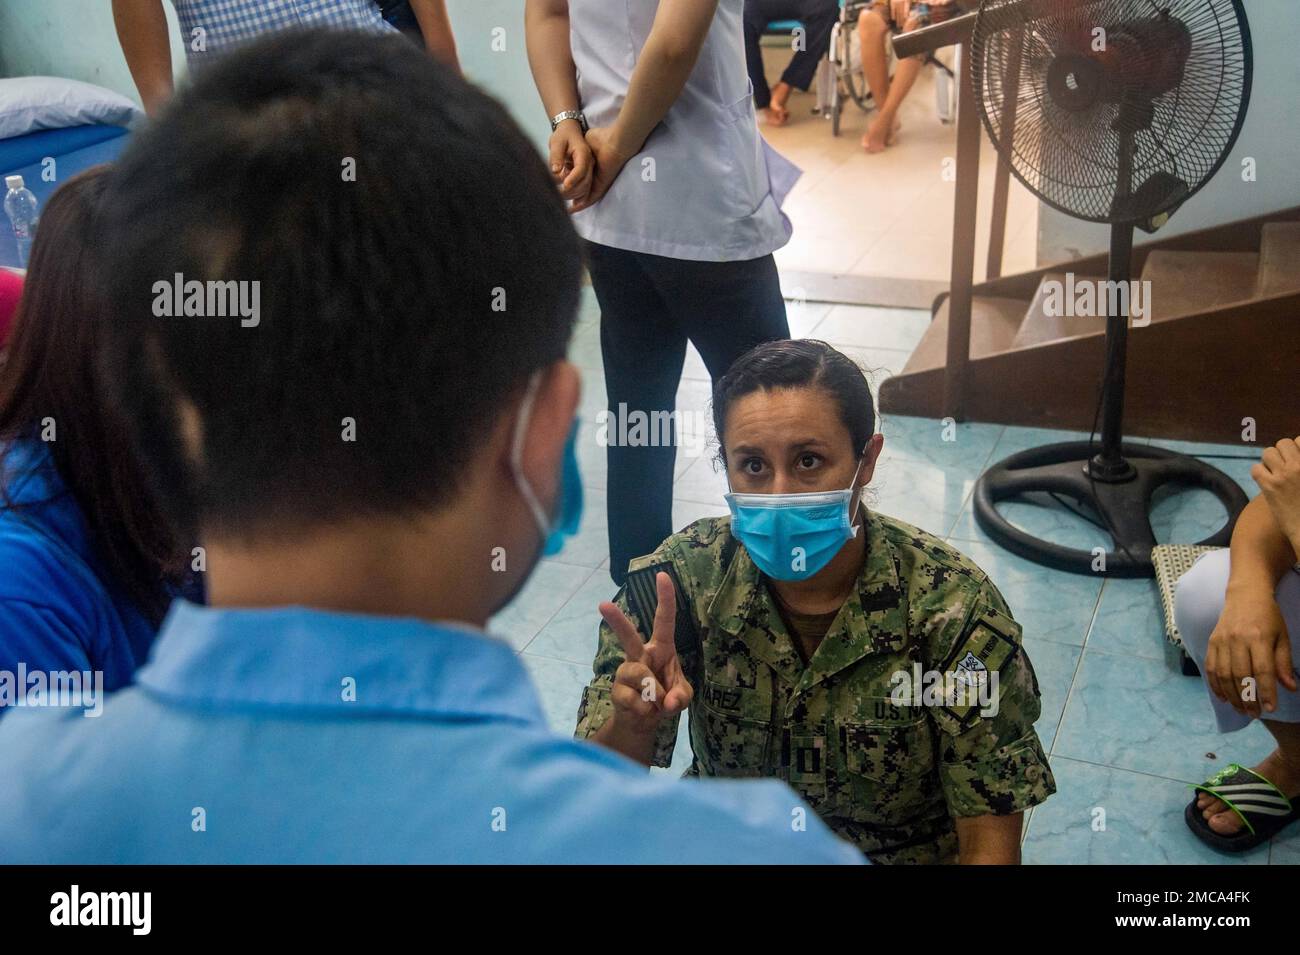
[[731, 730], [888, 771]]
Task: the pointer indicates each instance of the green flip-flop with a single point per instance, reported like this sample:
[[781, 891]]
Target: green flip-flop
[[1263, 809]]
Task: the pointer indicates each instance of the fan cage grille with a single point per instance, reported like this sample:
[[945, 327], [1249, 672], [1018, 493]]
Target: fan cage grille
[[1070, 158]]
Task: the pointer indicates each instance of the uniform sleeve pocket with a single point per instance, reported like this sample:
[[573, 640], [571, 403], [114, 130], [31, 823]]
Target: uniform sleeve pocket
[[1006, 781]]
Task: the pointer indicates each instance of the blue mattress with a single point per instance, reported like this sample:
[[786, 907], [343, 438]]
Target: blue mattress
[[74, 150]]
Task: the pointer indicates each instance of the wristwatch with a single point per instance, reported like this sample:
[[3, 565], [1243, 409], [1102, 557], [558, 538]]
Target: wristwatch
[[569, 114]]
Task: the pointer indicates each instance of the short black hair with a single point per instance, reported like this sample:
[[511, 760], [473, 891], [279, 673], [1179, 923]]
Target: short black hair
[[798, 363], [415, 263]]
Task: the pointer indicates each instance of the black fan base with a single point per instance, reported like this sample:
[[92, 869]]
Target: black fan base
[[1121, 493]]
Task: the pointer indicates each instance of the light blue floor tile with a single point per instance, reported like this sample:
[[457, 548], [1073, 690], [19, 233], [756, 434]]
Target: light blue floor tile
[[1047, 519], [1144, 715], [877, 363], [1185, 515], [1049, 605], [1286, 847], [928, 496], [1199, 448], [547, 590], [1239, 471], [592, 463], [588, 306], [805, 317], [963, 446], [695, 368], [1143, 821], [584, 351], [871, 327], [1130, 621], [1016, 439], [559, 685], [593, 398], [571, 634], [703, 482], [590, 546], [1054, 665], [965, 528]]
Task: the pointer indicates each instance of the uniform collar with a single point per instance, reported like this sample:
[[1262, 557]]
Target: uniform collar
[[872, 620], [298, 659]]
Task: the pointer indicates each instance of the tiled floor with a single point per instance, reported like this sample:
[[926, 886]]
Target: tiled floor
[[888, 214], [1127, 733]]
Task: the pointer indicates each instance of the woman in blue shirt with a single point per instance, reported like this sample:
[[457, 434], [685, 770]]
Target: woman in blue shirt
[[88, 567]]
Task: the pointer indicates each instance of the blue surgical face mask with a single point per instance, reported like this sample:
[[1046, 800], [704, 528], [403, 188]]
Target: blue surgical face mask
[[793, 536], [570, 516]]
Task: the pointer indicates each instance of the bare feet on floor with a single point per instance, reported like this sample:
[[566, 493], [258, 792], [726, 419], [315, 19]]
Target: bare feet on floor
[[777, 115], [876, 139]]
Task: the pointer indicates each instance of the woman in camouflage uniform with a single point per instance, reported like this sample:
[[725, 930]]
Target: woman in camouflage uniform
[[821, 643]]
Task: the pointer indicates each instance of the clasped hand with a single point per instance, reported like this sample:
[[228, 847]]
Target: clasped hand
[[585, 167]]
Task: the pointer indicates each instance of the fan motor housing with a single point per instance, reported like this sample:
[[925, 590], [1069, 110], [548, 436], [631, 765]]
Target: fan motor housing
[[1075, 81]]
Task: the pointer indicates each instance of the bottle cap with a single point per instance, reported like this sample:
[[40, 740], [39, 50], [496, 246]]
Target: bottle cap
[[14, 182]]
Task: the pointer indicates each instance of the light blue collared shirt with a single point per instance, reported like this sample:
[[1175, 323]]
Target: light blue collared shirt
[[293, 735]]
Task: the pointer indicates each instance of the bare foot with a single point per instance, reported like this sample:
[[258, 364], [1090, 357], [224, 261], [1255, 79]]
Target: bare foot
[[777, 115], [1226, 822], [877, 138]]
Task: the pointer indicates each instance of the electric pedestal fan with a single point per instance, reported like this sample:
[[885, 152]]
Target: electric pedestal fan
[[1113, 111]]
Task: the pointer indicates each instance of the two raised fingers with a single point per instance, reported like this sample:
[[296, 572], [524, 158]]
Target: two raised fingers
[[635, 647]]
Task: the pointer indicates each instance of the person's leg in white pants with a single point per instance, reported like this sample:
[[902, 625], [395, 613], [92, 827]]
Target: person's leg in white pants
[[1198, 604]]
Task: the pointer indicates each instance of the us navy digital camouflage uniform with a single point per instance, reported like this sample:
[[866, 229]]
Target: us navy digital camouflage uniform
[[888, 777]]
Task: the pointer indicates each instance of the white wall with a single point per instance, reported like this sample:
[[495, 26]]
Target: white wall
[[504, 74], [72, 38], [75, 38]]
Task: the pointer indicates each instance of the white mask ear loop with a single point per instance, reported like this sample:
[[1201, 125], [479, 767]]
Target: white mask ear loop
[[853, 488], [517, 455]]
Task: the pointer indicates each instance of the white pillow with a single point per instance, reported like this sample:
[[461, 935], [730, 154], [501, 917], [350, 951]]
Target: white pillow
[[29, 103]]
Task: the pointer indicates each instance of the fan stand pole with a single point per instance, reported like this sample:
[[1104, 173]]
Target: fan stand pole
[[1110, 465], [1116, 482]]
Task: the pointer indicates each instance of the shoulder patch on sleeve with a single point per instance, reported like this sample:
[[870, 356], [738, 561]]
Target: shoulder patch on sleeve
[[974, 668], [643, 600]]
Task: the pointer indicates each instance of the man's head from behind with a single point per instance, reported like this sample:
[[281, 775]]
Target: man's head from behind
[[334, 268]]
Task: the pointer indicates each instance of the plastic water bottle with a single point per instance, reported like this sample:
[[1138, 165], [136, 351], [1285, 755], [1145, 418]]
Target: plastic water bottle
[[20, 206]]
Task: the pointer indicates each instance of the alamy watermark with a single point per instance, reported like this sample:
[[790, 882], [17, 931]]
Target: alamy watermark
[[969, 683], [635, 428], [1088, 297], [211, 299], [83, 689]]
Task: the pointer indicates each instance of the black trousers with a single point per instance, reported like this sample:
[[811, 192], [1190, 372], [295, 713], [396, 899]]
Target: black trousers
[[818, 18], [650, 306]]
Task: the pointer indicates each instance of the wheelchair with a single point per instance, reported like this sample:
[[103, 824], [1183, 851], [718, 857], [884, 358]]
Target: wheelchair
[[840, 81]]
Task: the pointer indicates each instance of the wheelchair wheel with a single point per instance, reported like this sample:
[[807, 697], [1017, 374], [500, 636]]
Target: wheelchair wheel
[[855, 84]]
